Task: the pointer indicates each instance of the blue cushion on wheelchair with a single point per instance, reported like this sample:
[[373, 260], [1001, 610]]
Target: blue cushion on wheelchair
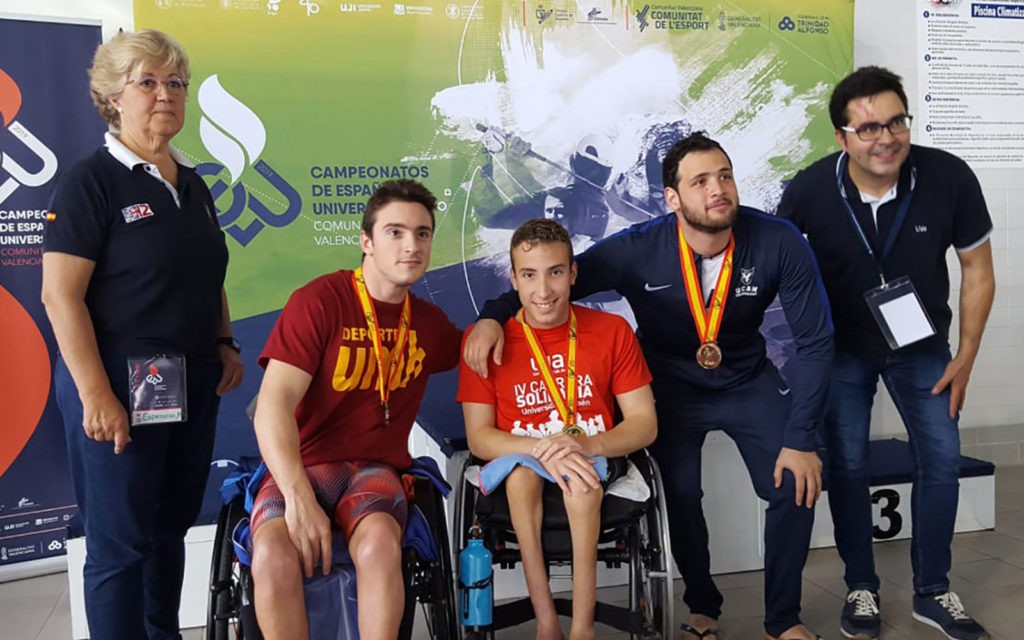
[[331, 608], [331, 604]]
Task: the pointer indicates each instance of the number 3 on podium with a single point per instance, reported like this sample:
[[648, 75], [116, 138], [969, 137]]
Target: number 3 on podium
[[890, 513]]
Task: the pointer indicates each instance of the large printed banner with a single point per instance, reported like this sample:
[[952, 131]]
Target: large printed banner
[[506, 110], [48, 122]]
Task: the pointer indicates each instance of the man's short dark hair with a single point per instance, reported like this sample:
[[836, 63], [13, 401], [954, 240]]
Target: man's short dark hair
[[397, 191], [695, 142], [539, 231], [864, 82]]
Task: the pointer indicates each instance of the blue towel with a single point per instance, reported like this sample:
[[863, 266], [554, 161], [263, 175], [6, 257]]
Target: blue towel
[[495, 471]]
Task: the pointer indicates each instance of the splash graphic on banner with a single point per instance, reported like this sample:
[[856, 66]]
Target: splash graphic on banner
[[506, 110]]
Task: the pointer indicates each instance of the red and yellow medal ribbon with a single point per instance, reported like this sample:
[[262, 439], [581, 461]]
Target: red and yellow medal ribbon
[[384, 382], [707, 319], [568, 403]]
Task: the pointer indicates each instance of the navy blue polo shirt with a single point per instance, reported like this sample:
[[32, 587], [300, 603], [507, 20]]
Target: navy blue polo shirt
[[160, 255], [770, 259], [947, 209]]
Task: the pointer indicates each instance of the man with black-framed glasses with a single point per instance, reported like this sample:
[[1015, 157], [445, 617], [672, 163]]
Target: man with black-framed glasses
[[880, 216]]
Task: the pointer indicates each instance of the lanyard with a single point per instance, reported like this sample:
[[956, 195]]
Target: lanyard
[[708, 319], [384, 382], [897, 223], [568, 404]]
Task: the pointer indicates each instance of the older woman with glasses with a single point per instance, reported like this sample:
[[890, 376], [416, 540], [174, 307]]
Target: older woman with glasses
[[133, 283]]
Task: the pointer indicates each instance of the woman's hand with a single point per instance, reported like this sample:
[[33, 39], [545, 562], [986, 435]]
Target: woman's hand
[[234, 371], [104, 419]]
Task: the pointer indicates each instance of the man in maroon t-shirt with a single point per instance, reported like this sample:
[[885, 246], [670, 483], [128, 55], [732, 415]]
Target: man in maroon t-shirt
[[346, 368]]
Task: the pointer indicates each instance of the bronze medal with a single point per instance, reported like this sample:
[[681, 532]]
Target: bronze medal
[[707, 320], [574, 430], [709, 355]]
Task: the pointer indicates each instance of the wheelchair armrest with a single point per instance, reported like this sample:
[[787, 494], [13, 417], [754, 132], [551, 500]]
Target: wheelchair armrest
[[644, 464]]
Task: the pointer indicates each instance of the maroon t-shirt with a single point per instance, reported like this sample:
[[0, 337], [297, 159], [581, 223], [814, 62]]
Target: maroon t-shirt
[[322, 330]]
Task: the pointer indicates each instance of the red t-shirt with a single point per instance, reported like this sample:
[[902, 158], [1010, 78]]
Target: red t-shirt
[[608, 362], [322, 330]]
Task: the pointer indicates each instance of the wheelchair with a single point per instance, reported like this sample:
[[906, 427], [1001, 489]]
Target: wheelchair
[[633, 534], [428, 581]]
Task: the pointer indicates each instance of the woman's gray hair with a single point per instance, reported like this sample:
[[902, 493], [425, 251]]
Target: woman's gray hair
[[117, 61]]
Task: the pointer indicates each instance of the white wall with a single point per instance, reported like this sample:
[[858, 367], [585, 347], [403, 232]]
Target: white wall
[[114, 14], [885, 34]]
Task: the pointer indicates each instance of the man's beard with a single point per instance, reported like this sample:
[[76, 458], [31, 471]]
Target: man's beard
[[705, 223]]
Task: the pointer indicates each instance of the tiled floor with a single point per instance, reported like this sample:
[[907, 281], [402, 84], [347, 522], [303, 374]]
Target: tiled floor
[[988, 573]]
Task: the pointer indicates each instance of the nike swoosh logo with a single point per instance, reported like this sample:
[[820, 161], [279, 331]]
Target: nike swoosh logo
[[649, 287], [783, 392]]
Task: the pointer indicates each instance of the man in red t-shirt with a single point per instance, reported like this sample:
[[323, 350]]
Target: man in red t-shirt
[[346, 368], [553, 398]]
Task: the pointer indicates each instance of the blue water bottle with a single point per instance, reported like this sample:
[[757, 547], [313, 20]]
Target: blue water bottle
[[476, 583]]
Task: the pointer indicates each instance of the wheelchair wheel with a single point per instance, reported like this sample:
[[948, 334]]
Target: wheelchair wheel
[[433, 581], [650, 573], [222, 611]]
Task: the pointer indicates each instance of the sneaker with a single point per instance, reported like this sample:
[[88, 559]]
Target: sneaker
[[861, 619], [946, 613]]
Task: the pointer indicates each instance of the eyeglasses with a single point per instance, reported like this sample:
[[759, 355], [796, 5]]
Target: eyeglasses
[[871, 131], [149, 84]]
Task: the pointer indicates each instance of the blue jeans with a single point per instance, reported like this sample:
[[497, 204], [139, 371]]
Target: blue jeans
[[935, 452], [137, 506]]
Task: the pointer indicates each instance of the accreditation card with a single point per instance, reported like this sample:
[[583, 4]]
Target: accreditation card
[[899, 313], [156, 388]]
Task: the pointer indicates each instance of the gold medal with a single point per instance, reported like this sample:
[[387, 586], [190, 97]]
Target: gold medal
[[566, 406], [709, 355], [388, 369]]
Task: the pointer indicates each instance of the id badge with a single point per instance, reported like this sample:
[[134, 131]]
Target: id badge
[[899, 313], [156, 389]]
